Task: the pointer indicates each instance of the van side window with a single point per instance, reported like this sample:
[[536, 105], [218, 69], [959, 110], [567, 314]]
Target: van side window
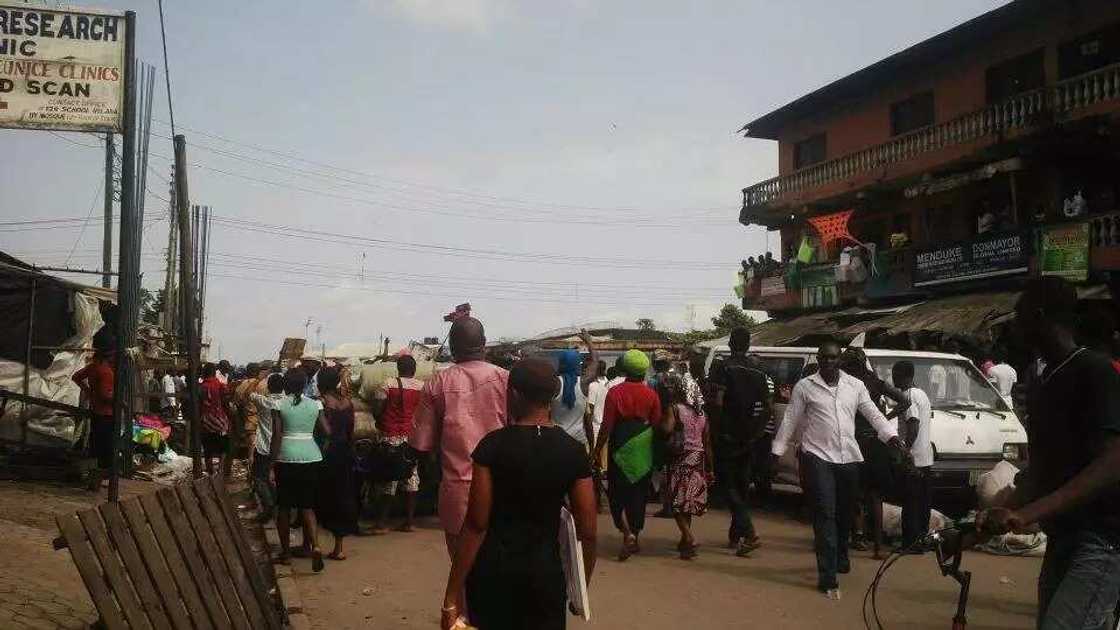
[[785, 371]]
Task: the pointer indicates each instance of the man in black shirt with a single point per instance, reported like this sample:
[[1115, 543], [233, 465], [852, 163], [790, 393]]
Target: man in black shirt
[[742, 407], [1072, 486]]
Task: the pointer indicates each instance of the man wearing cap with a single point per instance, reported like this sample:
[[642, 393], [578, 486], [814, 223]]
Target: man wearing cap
[[457, 408], [630, 412]]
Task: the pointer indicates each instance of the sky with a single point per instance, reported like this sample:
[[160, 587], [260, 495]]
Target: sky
[[555, 164]]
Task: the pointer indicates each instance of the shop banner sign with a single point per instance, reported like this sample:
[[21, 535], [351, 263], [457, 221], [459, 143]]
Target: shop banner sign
[[986, 256], [60, 69], [772, 285], [1065, 251]]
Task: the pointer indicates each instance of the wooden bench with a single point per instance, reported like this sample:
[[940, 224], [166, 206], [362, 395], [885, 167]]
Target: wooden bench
[[176, 558]]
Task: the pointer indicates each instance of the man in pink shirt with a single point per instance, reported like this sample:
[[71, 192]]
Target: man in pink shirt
[[458, 407]]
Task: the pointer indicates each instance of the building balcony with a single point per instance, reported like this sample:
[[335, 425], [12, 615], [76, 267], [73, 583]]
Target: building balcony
[[899, 274], [1071, 98]]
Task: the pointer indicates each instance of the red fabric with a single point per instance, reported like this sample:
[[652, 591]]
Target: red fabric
[[214, 419], [630, 400], [1116, 364], [400, 405], [97, 378], [832, 227]]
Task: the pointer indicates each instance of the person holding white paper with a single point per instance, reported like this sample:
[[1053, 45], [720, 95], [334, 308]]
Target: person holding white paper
[[508, 556]]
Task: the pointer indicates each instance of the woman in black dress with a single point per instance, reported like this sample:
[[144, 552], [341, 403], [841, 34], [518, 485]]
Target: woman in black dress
[[337, 508], [508, 556]]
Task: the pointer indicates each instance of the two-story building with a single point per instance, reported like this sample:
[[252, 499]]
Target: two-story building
[[915, 195]]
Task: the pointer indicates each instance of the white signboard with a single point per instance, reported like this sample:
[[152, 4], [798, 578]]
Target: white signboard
[[61, 69]]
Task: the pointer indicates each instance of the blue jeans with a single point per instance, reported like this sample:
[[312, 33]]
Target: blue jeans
[[1079, 584], [833, 489]]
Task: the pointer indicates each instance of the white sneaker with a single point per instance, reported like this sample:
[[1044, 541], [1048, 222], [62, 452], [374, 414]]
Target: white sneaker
[[833, 593]]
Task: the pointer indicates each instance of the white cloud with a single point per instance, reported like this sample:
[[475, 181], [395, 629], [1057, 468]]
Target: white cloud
[[476, 16]]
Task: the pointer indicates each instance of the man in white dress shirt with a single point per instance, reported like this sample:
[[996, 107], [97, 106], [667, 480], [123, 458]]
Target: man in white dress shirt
[[826, 404]]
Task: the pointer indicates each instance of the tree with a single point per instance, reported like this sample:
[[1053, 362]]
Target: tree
[[645, 324], [151, 306], [731, 317]]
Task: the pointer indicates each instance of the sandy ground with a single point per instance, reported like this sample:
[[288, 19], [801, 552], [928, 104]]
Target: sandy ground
[[44, 578], [397, 581]]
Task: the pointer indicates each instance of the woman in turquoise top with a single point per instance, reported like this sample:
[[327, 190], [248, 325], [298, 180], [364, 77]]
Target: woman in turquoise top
[[296, 463]]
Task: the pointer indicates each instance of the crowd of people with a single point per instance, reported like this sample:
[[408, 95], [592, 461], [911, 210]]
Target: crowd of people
[[515, 444]]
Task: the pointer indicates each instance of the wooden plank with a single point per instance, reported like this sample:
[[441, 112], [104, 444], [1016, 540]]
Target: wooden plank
[[158, 546], [159, 549], [260, 587], [222, 534], [213, 557], [90, 570], [150, 577], [189, 546], [119, 540], [115, 572]]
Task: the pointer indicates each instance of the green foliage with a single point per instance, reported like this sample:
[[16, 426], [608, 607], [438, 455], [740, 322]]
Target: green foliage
[[150, 306], [728, 318], [731, 317]]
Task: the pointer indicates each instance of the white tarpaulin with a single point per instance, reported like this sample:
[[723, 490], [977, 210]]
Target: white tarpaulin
[[61, 69], [44, 426]]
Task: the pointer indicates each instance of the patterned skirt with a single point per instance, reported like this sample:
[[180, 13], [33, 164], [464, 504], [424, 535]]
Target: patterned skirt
[[688, 484]]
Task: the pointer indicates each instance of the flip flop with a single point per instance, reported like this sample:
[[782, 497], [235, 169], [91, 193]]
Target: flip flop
[[336, 556], [316, 561]]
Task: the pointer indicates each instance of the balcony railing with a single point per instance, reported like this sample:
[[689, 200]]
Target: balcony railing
[[1104, 231], [1018, 112]]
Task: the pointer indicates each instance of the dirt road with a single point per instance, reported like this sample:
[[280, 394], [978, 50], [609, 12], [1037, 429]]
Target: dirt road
[[396, 581]]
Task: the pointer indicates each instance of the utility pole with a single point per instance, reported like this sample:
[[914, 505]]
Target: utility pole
[[107, 246], [168, 321], [126, 263], [188, 301]]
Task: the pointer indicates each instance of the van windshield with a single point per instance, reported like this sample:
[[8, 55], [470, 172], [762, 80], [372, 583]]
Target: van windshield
[[950, 384]]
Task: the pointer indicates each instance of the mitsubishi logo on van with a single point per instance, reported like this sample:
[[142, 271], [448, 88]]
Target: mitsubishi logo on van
[[968, 441]]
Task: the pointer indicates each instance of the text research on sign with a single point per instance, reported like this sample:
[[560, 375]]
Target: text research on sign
[[61, 70]]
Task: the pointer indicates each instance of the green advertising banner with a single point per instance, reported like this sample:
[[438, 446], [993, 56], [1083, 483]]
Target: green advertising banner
[[1065, 251]]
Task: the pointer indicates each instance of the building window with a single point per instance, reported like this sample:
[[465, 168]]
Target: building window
[[913, 113], [1089, 52], [1015, 76], [809, 151]]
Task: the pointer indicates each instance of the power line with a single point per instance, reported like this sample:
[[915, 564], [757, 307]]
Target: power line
[[464, 252], [166, 69], [634, 222], [459, 295], [473, 283], [92, 205], [630, 224], [446, 190]]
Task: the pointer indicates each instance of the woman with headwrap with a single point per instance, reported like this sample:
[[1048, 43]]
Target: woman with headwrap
[[569, 408], [691, 464], [630, 413]]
